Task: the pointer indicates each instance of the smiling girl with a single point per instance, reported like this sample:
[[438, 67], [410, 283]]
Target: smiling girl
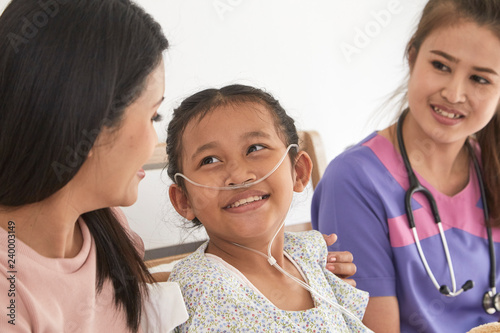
[[234, 159], [451, 119]]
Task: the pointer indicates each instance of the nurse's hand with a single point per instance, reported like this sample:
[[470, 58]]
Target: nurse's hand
[[340, 262]]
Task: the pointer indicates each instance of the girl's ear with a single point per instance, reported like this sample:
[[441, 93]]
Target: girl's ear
[[180, 202], [303, 169]]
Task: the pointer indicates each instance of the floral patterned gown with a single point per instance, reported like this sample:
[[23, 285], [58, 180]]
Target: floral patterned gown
[[220, 299]]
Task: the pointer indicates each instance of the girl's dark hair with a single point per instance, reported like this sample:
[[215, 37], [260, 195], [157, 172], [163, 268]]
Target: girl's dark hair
[[203, 102], [484, 13], [68, 69]]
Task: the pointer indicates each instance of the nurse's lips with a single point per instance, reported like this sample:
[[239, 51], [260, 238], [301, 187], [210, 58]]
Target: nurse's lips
[[447, 112]]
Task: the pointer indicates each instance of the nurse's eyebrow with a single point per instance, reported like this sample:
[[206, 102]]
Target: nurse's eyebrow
[[446, 56], [456, 60]]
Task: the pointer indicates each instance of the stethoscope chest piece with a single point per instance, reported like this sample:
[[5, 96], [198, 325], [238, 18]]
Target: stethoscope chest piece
[[491, 302]]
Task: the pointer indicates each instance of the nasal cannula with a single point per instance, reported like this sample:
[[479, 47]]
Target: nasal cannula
[[270, 259]]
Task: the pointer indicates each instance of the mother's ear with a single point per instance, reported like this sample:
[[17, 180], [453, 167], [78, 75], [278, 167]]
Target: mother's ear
[[303, 168], [180, 202]]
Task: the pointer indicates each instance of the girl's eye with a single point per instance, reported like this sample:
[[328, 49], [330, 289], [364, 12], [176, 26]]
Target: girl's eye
[[254, 148], [209, 160], [440, 66], [157, 117], [479, 79]]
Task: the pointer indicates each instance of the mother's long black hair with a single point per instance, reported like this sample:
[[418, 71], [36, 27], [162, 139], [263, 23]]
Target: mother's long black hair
[[68, 68]]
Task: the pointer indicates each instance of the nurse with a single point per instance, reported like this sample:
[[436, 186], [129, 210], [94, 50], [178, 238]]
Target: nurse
[[450, 119]]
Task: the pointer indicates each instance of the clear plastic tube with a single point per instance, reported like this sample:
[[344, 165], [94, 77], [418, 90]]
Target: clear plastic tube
[[239, 186], [269, 256], [272, 262]]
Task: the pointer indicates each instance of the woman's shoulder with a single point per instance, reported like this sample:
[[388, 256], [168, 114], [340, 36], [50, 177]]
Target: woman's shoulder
[[360, 155], [303, 237], [367, 159], [307, 244], [193, 262], [194, 269]]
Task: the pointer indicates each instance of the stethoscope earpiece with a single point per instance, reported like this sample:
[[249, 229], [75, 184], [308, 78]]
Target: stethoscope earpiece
[[445, 290], [468, 285]]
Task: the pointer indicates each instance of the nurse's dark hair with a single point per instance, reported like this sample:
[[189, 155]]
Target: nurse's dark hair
[[68, 69], [484, 13], [200, 104]]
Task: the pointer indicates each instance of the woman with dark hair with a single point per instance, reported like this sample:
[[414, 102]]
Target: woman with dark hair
[[80, 85]]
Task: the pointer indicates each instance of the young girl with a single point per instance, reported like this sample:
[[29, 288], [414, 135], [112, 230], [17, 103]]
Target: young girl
[[80, 85], [425, 279], [234, 159]]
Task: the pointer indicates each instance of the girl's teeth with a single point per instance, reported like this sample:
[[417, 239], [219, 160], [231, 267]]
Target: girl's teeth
[[245, 201], [445, 114]]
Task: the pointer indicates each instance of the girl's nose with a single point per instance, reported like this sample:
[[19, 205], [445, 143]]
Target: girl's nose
[[454, 92], [238, 174], [249, 180]]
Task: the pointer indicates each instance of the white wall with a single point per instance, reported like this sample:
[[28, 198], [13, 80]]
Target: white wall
[[330, 62]]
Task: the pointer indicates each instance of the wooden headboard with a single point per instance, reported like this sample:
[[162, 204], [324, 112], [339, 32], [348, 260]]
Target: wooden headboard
[[309, 141]]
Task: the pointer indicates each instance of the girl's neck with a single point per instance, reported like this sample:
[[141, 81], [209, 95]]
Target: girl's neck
[[244, 256], [49, 227], [443, 165], [279, 289]]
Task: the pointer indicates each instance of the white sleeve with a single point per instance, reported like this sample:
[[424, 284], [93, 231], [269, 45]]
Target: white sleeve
[[164, 309]]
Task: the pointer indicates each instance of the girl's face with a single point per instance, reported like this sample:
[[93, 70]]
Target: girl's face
[[111, 174], [454, 86], [231, 145]]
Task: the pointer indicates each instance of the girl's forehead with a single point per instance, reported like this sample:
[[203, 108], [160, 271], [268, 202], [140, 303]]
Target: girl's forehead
[[230, 123], [232, 118]]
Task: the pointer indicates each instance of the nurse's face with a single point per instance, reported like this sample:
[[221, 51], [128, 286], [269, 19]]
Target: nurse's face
[[454, 86]]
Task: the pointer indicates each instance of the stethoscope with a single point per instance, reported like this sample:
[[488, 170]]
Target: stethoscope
[[491, 299]]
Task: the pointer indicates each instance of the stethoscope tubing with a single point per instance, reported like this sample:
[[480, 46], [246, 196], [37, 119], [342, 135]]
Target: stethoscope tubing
[[491, 246], [416, 187]]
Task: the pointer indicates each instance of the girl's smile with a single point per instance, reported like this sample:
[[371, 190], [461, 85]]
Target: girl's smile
[[248, 200], [231, 145], [234, 145]]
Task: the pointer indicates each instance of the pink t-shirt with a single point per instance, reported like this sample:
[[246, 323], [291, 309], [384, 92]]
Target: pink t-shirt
[[41, 294]]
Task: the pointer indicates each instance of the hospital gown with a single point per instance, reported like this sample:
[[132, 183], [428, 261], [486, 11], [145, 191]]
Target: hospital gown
[[220, 299]]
